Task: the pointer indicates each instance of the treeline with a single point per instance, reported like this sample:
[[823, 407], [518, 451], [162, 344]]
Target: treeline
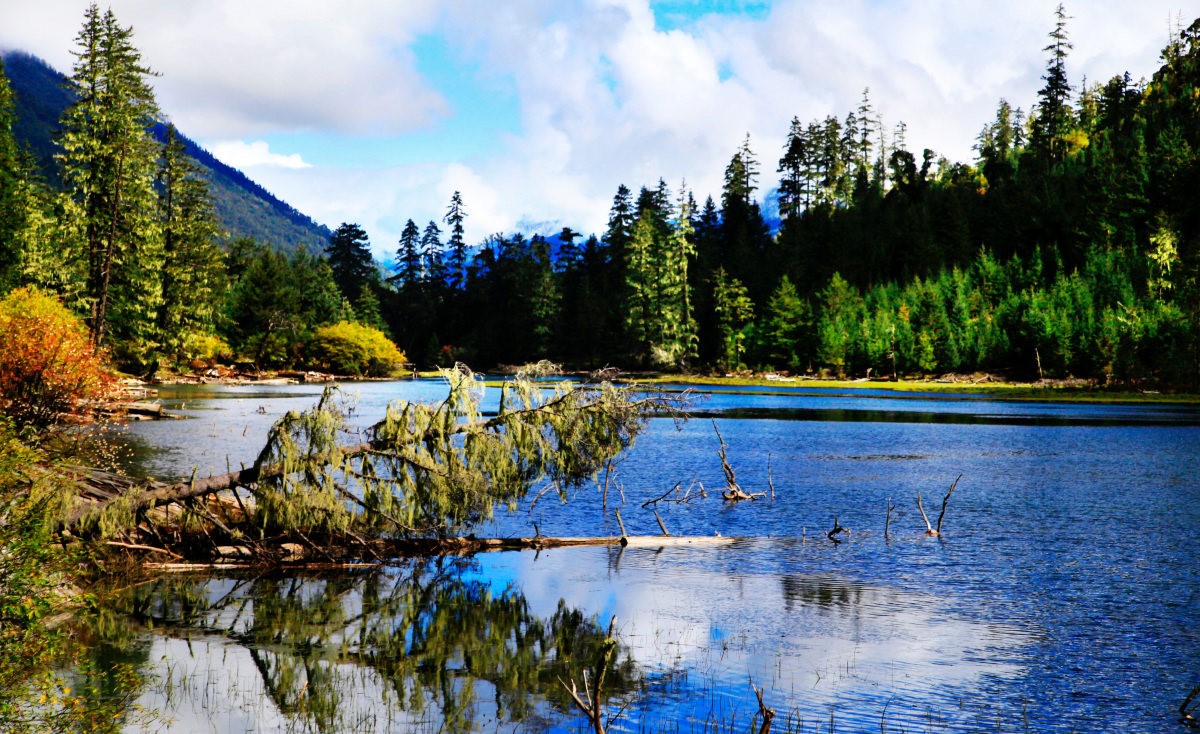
[[1069, 247]]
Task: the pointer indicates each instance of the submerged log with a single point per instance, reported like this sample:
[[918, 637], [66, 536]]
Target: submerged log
[[294, 555]]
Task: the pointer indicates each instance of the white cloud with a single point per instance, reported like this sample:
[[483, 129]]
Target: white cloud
[[243, 155], [604, 95], [229, 68]]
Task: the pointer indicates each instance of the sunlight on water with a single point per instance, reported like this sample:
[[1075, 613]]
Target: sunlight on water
[[1062, 596]]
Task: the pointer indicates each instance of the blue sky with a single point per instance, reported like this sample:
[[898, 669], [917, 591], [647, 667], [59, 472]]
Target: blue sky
[[536, 110]]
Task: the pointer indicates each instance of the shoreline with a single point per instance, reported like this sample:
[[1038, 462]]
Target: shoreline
[[1049, 390]]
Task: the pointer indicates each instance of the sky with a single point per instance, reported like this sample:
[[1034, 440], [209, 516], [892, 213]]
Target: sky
[[536, 110]]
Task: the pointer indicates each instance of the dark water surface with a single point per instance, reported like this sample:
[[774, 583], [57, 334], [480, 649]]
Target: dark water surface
[[1064, 595]]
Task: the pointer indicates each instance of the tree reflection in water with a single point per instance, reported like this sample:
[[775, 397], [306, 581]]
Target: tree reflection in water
[[438, 647]]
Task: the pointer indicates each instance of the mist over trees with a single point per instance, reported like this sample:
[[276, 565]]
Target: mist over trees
[[1068, 247]]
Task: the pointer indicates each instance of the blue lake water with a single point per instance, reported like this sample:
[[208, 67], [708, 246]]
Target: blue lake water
[[1064, 594]]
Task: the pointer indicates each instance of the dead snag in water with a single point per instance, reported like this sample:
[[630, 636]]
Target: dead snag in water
[[732, 493], [770, 477], [591, 702], [1187, 709], [887, 523], [768, 714], [661, 524], [680, 497], [929, 529], [837, 528]]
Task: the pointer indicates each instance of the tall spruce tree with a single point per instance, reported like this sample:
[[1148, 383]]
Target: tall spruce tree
[[408, 258], [12, 198], [108, 162], [1048, 138], [457, 244], [349, 255], [192, 272]]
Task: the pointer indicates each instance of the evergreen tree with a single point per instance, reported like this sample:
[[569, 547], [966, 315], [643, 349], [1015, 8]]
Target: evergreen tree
[[734, 311], [785, 323], [457, 245], [408, 273], [14, 202], [192, 263], [1048, 137], [349, 255], [108, 165], [432, 257]]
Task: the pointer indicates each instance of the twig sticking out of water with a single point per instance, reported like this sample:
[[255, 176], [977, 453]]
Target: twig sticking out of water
[[887, 523], [661, 524], [680, 497], [732, 493], [930, 530], [768, 714], [770, 477], [1187, 709]]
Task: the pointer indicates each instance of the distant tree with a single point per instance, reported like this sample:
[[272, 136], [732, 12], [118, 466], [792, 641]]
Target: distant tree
[[349, 255], [734, 313], [785, 320], [456, 246], [408, 272], [192, 273], [432, 257], [1048, 137]]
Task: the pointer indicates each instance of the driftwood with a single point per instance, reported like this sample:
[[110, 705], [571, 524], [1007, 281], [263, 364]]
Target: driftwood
[[298, 557], [733, 492], [930, 530]]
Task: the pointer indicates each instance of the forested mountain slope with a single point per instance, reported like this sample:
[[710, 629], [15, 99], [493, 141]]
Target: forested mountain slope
[[244, 209]]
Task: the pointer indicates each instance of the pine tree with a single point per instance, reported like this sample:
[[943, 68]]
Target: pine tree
[[192, 263], [13, 201], [408, 257], [108, 165], [432, 257], [734, 311], [457, 245], [1048, 138], [349, 255]]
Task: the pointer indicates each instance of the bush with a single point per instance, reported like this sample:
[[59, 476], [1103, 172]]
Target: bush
[[347, 348], [48, 364]]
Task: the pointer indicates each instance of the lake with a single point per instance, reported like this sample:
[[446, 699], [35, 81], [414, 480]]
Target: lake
[[1062, 596]]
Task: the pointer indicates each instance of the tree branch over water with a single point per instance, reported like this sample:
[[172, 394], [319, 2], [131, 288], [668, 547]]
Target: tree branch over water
[[424, 470]]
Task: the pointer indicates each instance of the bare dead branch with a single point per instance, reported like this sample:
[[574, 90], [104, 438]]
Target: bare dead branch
[[945, 500], [661, 524], [929, 528], [1187, 709], [768, 714]]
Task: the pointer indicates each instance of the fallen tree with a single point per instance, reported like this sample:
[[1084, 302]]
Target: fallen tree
[[424, 473]]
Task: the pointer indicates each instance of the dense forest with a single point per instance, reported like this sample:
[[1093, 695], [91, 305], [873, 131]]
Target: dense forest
[[1069, 247]]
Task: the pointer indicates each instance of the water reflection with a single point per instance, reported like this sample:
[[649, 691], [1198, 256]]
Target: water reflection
[[1064, 591], [445, 645], [418, 646]]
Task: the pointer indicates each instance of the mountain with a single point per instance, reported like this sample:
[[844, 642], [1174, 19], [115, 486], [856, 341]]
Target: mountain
[[244, 209]]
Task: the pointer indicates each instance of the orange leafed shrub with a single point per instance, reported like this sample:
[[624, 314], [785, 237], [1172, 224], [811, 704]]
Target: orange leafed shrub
[[48, 364]]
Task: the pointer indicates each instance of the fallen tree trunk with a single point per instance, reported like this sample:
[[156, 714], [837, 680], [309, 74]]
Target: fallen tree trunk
[[252, 556], [425, 474]]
